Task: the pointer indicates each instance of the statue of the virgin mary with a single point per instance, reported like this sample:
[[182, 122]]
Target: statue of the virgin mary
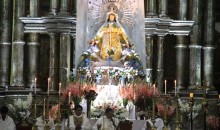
[[111, 38]]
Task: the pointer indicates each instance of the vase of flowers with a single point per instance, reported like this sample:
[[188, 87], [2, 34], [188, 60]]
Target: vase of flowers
[[89, 96]]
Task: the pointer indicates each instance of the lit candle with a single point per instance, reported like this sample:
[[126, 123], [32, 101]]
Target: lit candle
[[48, 86], [191, 96], [219, 96], [44, 109], [165, 82], [69, 96], [154, 89], [35, 85], [59, 88], [175, 86]]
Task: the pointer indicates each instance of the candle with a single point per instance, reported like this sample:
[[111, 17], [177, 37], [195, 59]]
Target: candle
[[165, 82], [191, 95], [69, 96], [154, 88], [175, 86], [35, 85], [59, 88], [48, 86], [219, 96], [44, 109]]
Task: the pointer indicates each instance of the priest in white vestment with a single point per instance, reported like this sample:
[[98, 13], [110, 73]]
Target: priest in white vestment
[[107, 122], [78, 121], [40, 122], [6, 122]]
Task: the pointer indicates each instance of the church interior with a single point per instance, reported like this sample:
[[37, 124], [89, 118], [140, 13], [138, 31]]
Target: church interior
[[142, 58]]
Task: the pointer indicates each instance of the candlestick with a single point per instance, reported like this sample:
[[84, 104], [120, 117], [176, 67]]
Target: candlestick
[[59, 88], [35, 86], [175, 86], [44, 109], [154, 89], [48, 87], [165, 82]]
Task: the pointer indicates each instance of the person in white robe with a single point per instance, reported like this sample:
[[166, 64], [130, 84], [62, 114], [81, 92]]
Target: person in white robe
[[107, 122], [6, 122], [40, 123], [78, 121]]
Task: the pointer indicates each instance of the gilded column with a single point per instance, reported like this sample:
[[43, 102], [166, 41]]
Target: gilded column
[[163, 8], [195, 45], [17, 54], [160, 41], [181, 49], [150, 6], [32, 48], [64, 7], [54, 63], [5, 42], [65, 42], [149, 59], [53, 7], [208, 49]]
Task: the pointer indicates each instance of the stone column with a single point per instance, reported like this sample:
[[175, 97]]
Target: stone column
[[5, 42], [150, 6], [195, 45], [181, 49], [17, 54], [64, 7], [54, 63], [149, 59], [160, 41], [208, 49], [75, 8], [53, 7], [32, 48], [65, 42], [163, 8]]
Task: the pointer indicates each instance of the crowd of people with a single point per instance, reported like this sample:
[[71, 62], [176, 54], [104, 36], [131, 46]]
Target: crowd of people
[[77, 121]]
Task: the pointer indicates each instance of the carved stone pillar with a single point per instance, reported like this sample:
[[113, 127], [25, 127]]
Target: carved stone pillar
[[208, 49], [5, 42], [64, 7], [195, 45], [181, 49], [150, 6], [163, 8], [53, 7], [74, 8], [32, 48], [54, 62], [65, 42], [17, 55], [149, 59], [160, 41]]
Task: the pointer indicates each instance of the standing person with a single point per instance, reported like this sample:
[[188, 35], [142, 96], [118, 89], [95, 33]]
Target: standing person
[[6, 122], [107, 122], [40, 122], [78, 121]]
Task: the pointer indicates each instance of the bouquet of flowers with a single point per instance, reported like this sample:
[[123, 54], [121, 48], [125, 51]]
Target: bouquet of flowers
[[54, 111], [133, 55], [213, 122], [185, 108], [90, 95], [86, 54], [21, 108]]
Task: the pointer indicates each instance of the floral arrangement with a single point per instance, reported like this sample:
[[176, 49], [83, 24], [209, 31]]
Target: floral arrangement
[[83, 70], [133, 55], [86, 54], [162, 105], [54, 111], [119, 111], [213, 122], [126, 93], [74, 92], [21, 108], [90, 95], [185, 108]]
